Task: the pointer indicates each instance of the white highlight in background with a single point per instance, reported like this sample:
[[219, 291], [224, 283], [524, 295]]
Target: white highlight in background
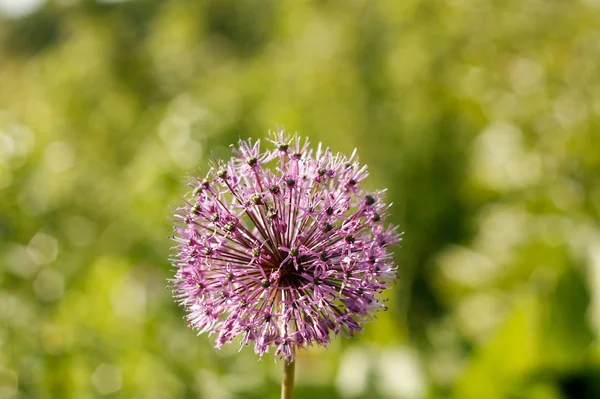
[[19, 8]]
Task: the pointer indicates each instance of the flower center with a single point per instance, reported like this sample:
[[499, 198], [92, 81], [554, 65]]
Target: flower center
[[289, 274]]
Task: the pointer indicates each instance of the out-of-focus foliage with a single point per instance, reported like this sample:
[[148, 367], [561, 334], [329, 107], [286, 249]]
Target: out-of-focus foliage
[[481, 117]]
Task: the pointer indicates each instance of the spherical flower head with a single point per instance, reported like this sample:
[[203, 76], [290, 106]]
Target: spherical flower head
[[282, 248]]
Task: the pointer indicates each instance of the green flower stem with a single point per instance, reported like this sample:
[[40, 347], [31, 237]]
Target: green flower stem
[[287, 382]]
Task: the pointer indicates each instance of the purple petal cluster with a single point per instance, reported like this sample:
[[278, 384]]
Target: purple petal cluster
[[282, 248]]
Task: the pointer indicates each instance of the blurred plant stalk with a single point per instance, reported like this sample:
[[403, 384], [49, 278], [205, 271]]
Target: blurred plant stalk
[[287, 382]]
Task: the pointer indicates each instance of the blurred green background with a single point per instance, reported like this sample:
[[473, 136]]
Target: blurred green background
[[481, 117]]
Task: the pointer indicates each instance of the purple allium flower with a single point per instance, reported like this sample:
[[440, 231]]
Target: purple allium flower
[[282, 248]]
